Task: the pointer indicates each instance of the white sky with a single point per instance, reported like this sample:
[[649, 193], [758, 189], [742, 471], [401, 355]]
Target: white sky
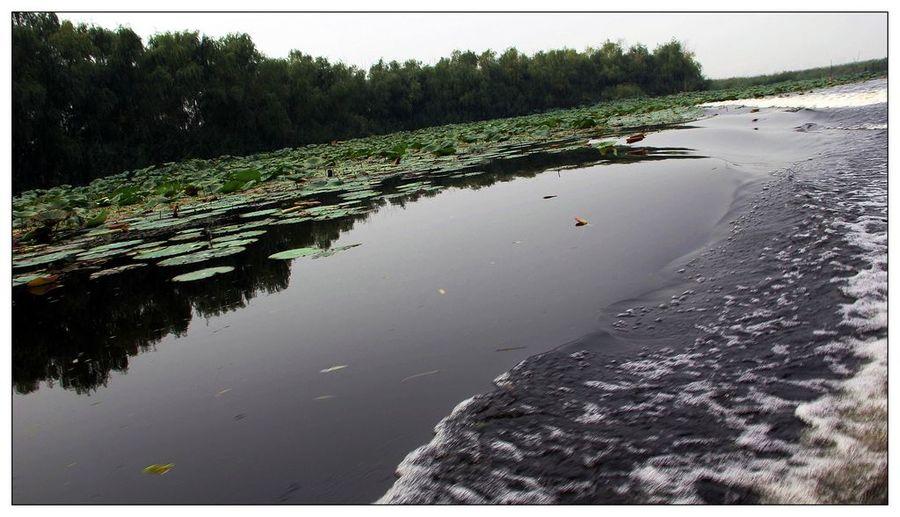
[[725, 44]]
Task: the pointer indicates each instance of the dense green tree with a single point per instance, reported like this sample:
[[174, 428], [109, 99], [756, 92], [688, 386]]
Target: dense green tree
[[88, 101]]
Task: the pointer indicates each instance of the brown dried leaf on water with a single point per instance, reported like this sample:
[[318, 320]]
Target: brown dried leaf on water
[[42, 280], [580, 221], [754, 110], [423, 374], [41, 290], [637, 137], [158, 469]]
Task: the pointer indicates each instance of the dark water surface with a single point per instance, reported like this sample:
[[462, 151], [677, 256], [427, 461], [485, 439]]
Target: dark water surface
[[223, 378], [760, 376]]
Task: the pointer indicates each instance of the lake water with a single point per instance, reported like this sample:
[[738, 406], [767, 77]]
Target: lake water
[[308, 381]]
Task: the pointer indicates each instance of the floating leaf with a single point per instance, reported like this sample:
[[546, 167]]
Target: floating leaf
[[337, 249], [42, 280], [241, 235], [511, 348], [187, 236], [333, 368], [158, 469], [580, 221], [168, 251], [201, 256], [235, 242], [46, 259], [202, 273], [24, 279], [294, 253], [423, 374], [359, 194], [258, 213], [634, 138], [116, 270]]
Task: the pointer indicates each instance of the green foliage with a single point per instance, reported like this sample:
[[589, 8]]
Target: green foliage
[[89, 101], [872, 66]]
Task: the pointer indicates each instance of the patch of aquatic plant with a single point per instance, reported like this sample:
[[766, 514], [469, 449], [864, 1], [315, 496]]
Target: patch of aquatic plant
[[181, 213], [202, 273]]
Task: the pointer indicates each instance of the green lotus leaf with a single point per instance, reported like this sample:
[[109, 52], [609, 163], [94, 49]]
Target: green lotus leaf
[[360, 194], [201, 256], [241, 235], [49, 258], [293, 220], [259, 213], [187, 236], [294, 253], [235, 242], [331, 251], [202, 273], [116, 270], [168, 251], [240, 227]]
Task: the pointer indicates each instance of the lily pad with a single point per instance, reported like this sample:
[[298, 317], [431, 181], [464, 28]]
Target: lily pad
[[258, 213], [202, 273], [187, 236], [46, 259], [116, 270], [168, 251], [201, 256], [331, 251], [359, 194], [235, 242], [292, 220], [294, 253], [241, 235], [240, 227]]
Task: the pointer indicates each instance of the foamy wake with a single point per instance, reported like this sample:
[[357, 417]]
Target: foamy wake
[[710, 421], [852, 422], [842, 457], [863, 94]]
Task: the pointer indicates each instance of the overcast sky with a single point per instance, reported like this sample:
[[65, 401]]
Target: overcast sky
[[726, 44]]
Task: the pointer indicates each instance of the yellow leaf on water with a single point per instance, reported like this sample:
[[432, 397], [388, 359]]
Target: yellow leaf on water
[[442, 291], [423, 374], [158, 469], [42, 280]]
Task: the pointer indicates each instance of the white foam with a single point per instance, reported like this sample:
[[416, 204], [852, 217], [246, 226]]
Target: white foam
[[815, 100]]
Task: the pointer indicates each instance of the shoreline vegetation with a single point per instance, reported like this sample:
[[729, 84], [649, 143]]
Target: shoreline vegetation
[[195, 211], [86, 99], [89, 102]]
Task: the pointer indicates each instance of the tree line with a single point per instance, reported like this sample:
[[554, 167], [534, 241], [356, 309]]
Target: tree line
[[870, 66], [89, 101]]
